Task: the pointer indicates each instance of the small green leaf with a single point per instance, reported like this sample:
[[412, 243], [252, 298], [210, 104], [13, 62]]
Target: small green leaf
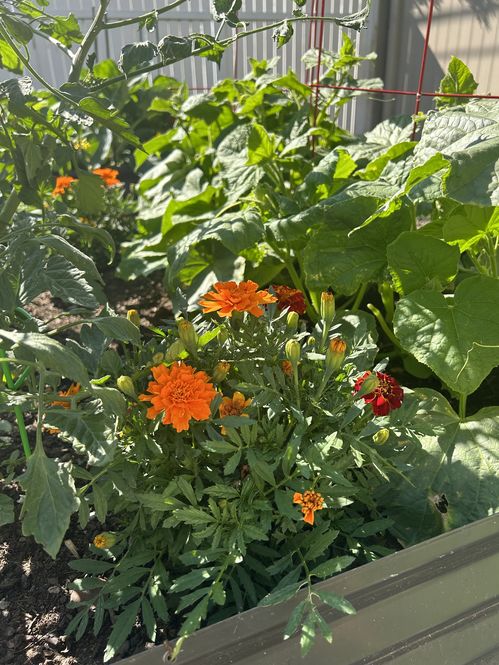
[[295, 619], [89, 194], [333, 566], [281, 595], [121, 629], [173, 48], [337, 602], [193, 579], [6, 510], [283, 34], [457, 79], [134, 56], [148, 619]]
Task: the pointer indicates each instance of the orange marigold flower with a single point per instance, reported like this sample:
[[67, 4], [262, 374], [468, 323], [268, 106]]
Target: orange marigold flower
[[287, 367], [230, 297], [234, 406], [109, 176], [73, 389], [180, 393], [61, 184], [288, 298], [310, 501], [105, 540]]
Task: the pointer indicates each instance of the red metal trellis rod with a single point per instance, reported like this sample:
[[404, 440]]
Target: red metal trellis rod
[[318, 70], [413, 93], [423, 67]]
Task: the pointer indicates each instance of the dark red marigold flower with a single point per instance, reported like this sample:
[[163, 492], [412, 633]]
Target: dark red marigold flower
[[290, 298], [386, 397]]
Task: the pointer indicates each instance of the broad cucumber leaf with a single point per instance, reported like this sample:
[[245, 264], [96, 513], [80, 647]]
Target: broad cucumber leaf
[[334, 258], [51, 353], [454, 479], [468, 137], [50, 501], [466, 225], [261, 145], [456, 336], [419, 261]]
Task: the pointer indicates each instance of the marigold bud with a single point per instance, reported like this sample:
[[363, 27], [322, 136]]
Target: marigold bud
[[125, 384], [292, 320], [287, 367], [327, 307], [158, 358], [174, 351], [381, 436], [293, 351], [369, 385], [335, 354], [223, 335], [220, 371], [105, 540], [133, 316], [188, 335], [311, 341]]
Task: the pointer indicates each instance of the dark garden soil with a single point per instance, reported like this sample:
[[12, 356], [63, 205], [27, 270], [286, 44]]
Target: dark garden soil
[[33, 587]]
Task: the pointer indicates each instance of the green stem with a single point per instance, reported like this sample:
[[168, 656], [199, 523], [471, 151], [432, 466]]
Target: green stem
[[39, 424], [17, 409], [492, 256], [386, 293], [143, 17], [88, 41], [22, 378], [297, 385], [462, 405], [8, 209], [203, 49], [359, 297], [384, 325]]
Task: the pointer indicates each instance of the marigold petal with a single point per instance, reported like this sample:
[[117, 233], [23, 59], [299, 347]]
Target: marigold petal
[[297, 497], [309, 517]]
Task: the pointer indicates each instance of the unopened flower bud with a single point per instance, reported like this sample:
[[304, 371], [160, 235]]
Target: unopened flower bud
[[311, 341], [220, 371], [335, 354], [293, 351], [327, 308], [133, 316], [188, 335], [223, 335], [292, 320], [158, 358], [174, 351], [125, 384], [105, 540], [369, 385], [381, 436]]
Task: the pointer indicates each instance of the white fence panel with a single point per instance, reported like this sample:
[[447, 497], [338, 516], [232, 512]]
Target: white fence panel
[[194, 16]]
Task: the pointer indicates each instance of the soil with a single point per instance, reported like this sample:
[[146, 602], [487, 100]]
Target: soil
[[34, 590]]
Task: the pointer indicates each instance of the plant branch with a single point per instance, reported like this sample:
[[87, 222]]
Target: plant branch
[[62, 47], [202, 49], [4, 364], [143, 17], [89, 39]]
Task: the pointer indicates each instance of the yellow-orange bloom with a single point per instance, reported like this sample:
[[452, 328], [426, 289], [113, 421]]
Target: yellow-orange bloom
[[180, 393], [310, 501], [108, 176], [105, 540], [233, 406], [229, 297], [73, 389], [287, 368], [61, 184]]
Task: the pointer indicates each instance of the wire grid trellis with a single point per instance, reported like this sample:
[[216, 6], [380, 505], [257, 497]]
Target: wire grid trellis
[[417, 94]]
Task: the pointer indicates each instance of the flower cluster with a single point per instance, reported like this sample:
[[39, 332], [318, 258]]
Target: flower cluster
[[108, 176]]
